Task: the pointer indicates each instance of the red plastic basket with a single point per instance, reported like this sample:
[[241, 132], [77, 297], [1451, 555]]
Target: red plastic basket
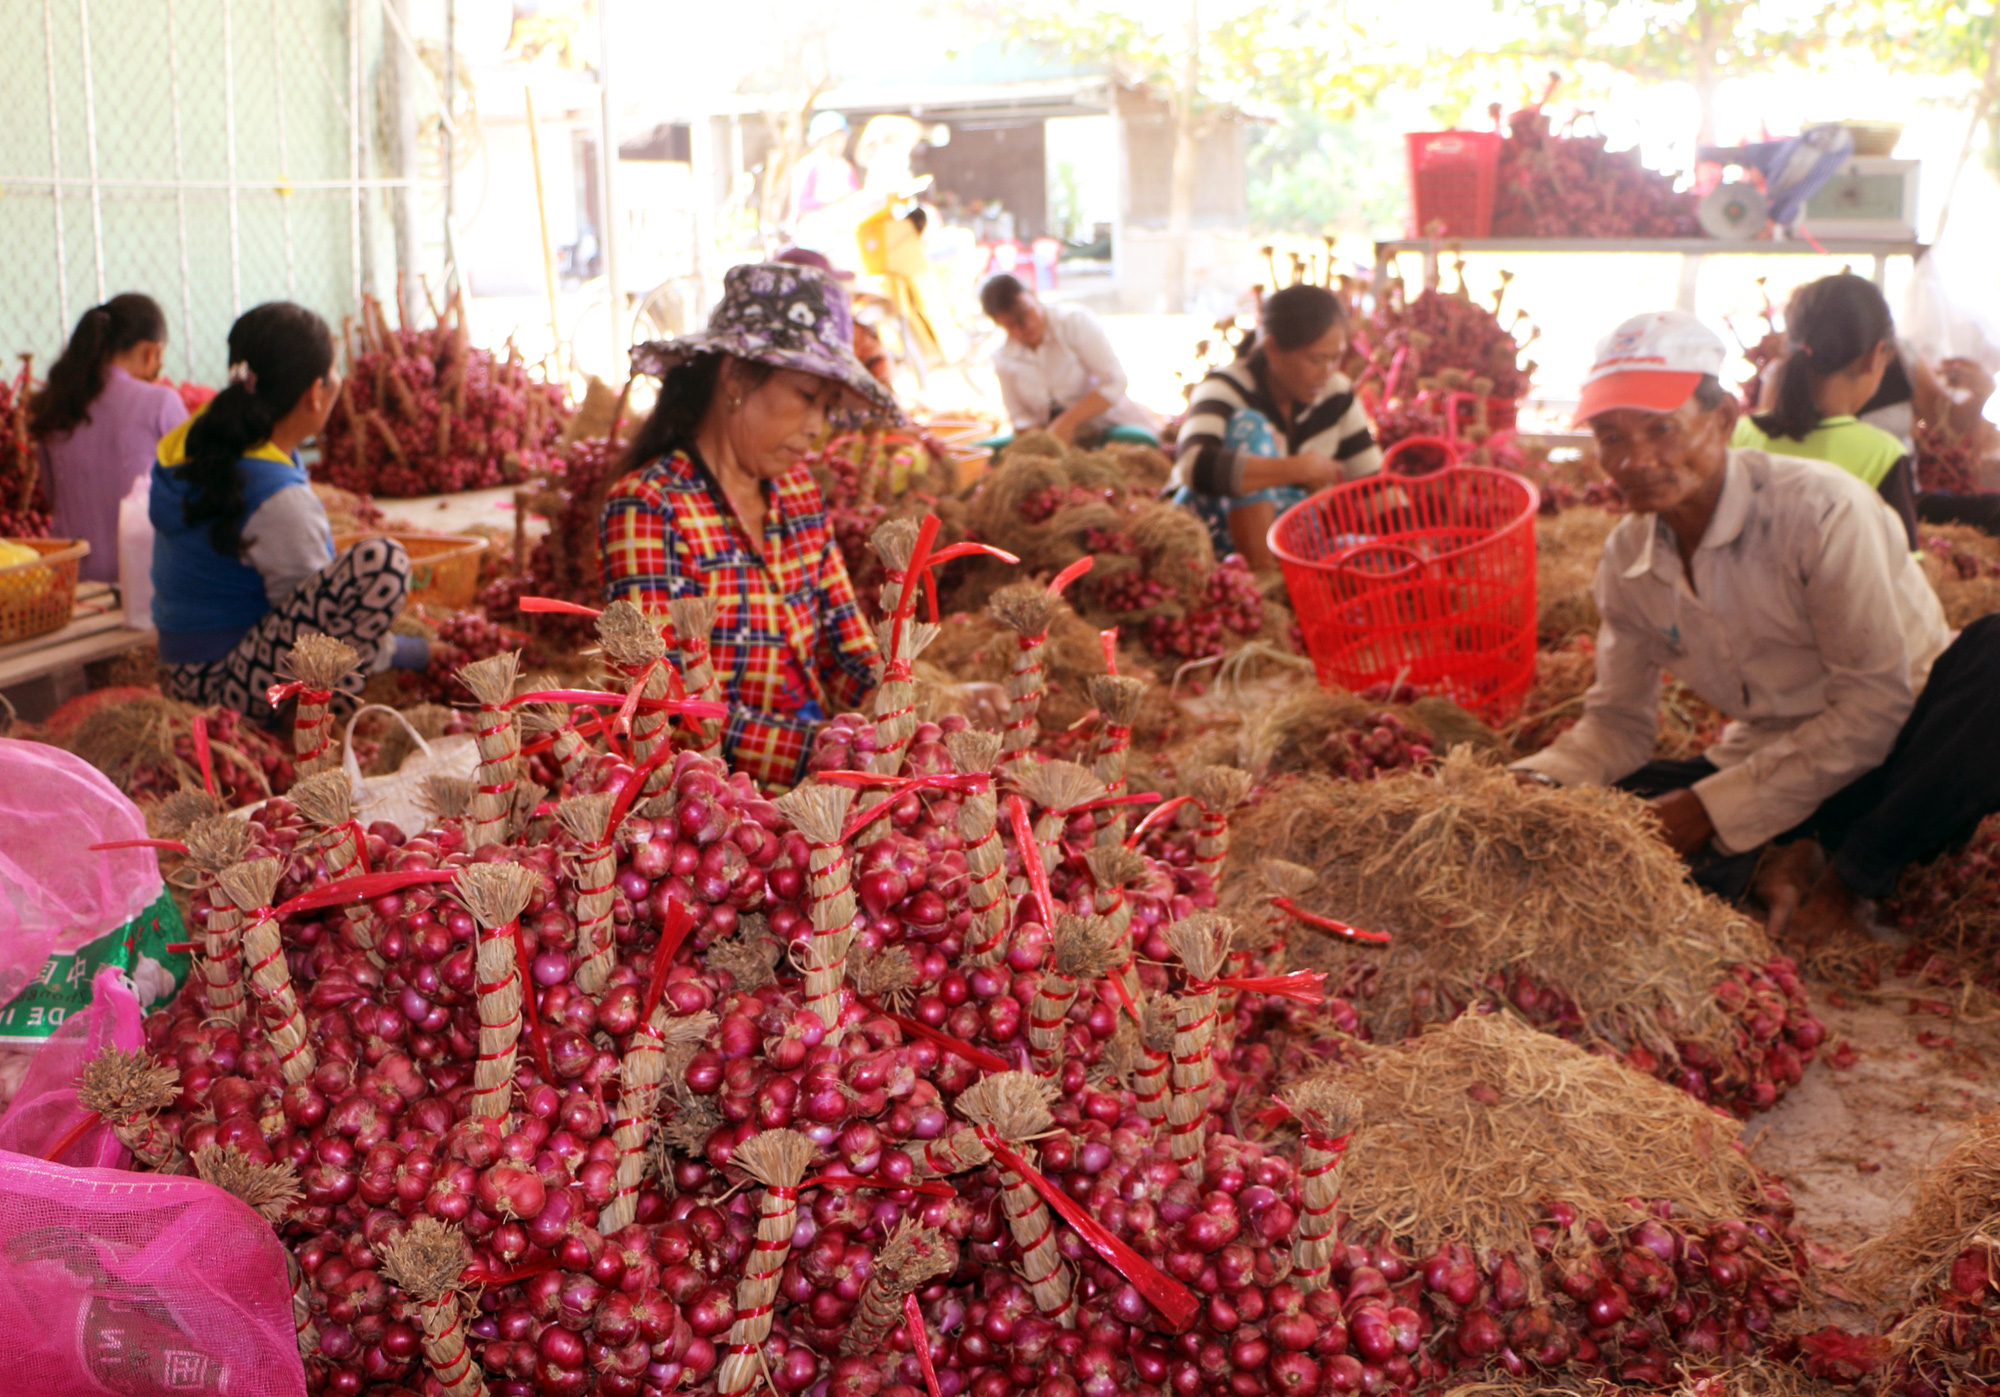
[[1452, 175], [1427, 580]]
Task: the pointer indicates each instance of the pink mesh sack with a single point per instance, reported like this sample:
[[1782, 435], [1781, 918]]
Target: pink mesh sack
[[138, 1285], [45, 1120], [55, 894]]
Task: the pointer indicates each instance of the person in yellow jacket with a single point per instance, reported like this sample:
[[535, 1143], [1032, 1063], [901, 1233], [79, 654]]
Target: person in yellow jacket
[[1840, 341]]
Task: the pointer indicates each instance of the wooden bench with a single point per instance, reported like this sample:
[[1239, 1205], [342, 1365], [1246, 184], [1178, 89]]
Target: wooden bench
[[96, 631]]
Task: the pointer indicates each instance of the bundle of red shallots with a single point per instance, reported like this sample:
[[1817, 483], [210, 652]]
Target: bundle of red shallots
[[1566, 186], [922, 1078], [1497, 895], [24, 495], [1151, 568], [565, 564], [424, 411]]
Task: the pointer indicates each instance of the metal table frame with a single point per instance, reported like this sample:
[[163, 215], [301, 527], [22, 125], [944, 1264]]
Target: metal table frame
[[1693, 252]]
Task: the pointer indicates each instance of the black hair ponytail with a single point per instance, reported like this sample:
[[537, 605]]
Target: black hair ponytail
[[277, 351], [1294, 318], [62, 404], [1829, 325]]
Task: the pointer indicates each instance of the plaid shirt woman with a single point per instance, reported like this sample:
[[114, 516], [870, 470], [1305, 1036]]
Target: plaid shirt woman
[[789, 642], [721, 505]]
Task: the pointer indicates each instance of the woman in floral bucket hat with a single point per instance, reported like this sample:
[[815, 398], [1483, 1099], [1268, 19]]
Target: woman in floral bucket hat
[[717, 501]]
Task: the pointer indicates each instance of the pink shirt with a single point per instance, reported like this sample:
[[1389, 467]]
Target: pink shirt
[[91, 468]]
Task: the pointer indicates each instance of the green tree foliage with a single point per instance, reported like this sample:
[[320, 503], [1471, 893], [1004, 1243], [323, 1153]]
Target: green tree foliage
[[1955, 41], [1314, 173], [1703, 43], [1205, 59]]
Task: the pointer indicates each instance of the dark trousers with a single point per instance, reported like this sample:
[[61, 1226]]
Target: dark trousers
[[1982, 512], [1940, 780]]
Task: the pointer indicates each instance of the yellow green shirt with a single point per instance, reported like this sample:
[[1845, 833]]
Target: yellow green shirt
[[1864, 452]]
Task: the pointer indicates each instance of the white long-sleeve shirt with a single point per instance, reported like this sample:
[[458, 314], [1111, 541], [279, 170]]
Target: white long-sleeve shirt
[[1806, 623], [1073, 360]]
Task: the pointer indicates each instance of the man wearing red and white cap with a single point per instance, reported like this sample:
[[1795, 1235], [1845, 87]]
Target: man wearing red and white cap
[[1782, 591]]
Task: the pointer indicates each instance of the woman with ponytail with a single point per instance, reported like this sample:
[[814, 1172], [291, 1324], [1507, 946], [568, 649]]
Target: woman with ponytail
[[1840, 343], [243, 561], [98, 419]]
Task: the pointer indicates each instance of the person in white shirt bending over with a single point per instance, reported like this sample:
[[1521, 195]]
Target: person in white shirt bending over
[[1861, 735], [1058, 371]]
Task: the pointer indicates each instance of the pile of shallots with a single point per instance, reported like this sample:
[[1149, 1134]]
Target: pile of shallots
[[424, 411], [938, 1074]]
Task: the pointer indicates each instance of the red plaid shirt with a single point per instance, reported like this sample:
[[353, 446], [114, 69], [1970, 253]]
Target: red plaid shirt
[[789, 642]]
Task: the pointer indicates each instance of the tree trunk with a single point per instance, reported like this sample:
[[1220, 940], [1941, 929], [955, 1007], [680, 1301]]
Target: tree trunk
[[1989, 91], [1706, 83], [1180, 198]]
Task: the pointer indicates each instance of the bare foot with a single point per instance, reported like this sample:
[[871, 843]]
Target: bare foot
[[1785, 876], [1827, 916]]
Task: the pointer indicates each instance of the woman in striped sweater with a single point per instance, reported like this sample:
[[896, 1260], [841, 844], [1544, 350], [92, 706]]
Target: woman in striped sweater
[[1282, 421]]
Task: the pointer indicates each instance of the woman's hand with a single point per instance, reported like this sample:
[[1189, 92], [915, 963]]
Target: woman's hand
[[1311, 470], [1315, 470]]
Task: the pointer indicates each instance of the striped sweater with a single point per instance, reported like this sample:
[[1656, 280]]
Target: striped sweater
[[1334, 426]]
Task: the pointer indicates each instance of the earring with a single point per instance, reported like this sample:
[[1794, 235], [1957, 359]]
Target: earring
[[736, 403]]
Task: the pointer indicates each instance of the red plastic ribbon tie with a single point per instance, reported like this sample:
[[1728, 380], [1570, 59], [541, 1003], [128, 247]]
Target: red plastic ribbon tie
[[1352, 933], [672, 932], [1106, 802], [920, 1340], [91, 1120], [936, 1188], [1031, 859], [362, 888], [684, 707], [1305, 986], [636, 782], [973, 782], [1109, 640], [1060, 583], [202, 756], [1272, 1116], [538, 1037], [1163, 1292], [958, 1047], [172, 846], [551, 605], [1140, 830], [278, 693]]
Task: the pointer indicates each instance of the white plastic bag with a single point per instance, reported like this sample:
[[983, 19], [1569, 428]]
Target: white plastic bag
[[1941, 325], [135, 555], [398, 797]]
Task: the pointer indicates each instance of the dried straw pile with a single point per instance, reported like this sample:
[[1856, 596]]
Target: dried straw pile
[[975, 648], [1105, 506], [1486, 885], [1286, 730], [1688, 723], [1567, 547], [1963, 565], [1469, 1132], [1936, 1269], [145, 745]]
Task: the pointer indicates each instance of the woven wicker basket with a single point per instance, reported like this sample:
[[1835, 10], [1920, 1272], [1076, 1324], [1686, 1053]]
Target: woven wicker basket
[[38, 597], [444, 568]]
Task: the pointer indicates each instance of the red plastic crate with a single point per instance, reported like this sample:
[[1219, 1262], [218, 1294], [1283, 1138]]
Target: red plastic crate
[[1428, 580], [1452, 176]]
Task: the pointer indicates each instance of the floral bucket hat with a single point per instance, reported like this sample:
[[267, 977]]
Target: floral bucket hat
[[785, 315]]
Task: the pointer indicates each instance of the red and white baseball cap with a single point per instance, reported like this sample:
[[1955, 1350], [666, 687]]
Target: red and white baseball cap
[[1652, 362]]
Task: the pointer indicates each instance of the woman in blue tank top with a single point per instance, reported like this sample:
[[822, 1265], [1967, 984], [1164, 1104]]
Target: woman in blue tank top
[[243, 559]]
